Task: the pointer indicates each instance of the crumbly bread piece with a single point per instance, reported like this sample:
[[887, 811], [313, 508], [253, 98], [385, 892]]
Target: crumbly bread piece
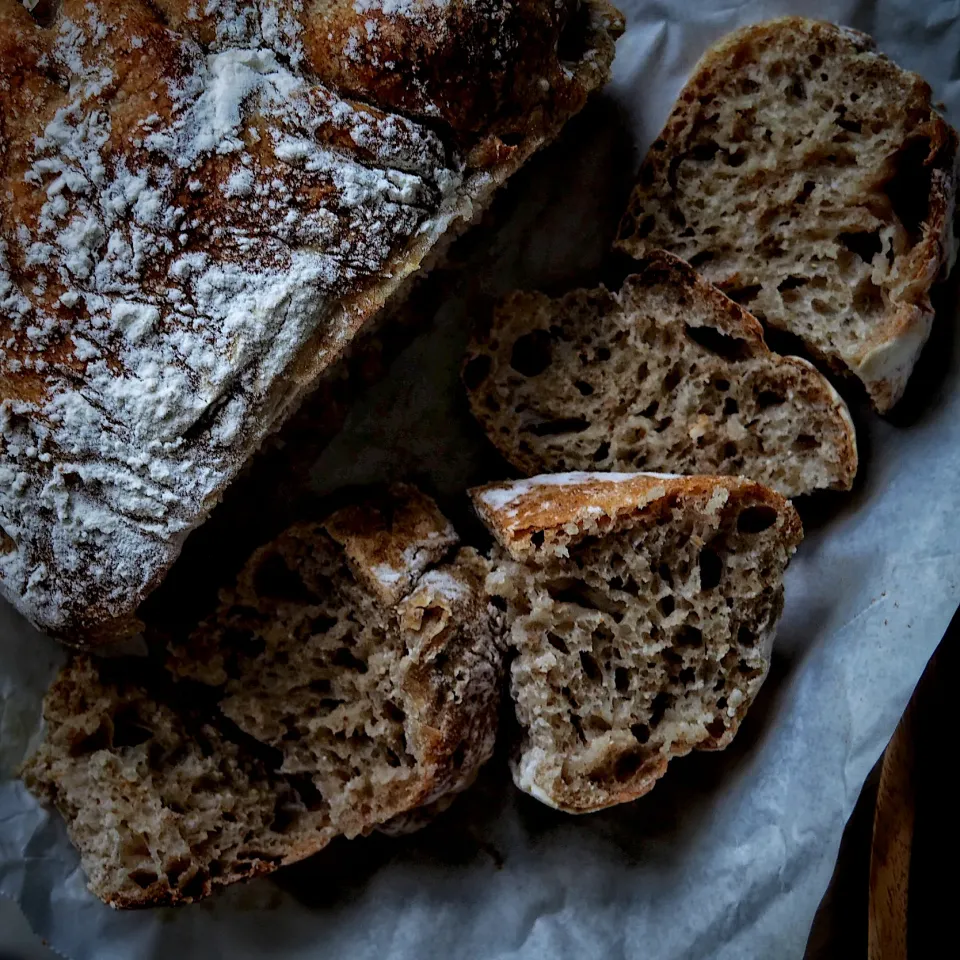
[[161, 804], [349, 678], [668, 374], [642, 611], [812, 180], [196, 218]]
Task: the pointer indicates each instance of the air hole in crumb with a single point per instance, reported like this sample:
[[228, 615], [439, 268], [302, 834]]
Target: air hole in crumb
[[663, 424], [687, 676], [806, 441], [342, 657], [722, 385], [666, 605], [853, 126], [866, 245], [769, 398], [723, 345], [585, 388], [176, 869], [557, 643], [791, 283], [730, 406], [531, 354], [645, 228], [744, 294], [650, 411], [602, 452], [797, 89], [322, 624], [729, 450], [553, 428], [704, 152], [476, 370], [658, 708], [737, 158], [590, 667], [745, 636], [701, 257], [143, 878], [641, 732], [909, 190], [689, 636], [577, 725], [622, 679], [673, 377], [711, 568], [722, 701], [716, 728], [603, 354], [537, 539], [756, 519], [598, 724], [320, 686], [393, 712]]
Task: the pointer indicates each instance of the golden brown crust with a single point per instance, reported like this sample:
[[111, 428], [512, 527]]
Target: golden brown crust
[[884, 359], [177, 267], [570, 506]]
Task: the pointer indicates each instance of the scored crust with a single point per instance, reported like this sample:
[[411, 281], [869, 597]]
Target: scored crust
[[810, 178], [194, 226], [642, 610], [311, 704], [666, 374]]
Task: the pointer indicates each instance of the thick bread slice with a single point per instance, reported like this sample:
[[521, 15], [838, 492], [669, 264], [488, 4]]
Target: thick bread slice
[[312, 704], [668, 374], [811, 179], [642, 609], [201, 204]]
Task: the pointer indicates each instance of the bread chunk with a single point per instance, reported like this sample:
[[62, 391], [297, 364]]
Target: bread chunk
[[642, 610], [812, 180], [667, 375], [311, 704]]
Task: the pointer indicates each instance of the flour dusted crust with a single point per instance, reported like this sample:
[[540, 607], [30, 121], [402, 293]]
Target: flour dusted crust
[[641, 610], [309, 705], [194, 223], [812, 179]]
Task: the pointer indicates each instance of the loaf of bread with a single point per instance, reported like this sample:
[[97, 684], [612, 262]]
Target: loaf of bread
[[642, 610], [350, 677], [667, 375], [812, 180], [200, 206]]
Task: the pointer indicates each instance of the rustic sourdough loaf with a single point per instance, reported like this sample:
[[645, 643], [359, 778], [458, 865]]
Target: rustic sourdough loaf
[[668, 375], [349, 678], [811, 179], [642, 610], [200, 206]]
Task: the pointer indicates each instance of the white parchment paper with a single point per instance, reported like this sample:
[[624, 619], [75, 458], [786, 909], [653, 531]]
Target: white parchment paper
[[730, 854]]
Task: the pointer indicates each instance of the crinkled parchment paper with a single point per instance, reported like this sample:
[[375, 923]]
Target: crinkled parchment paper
[[730, 854]]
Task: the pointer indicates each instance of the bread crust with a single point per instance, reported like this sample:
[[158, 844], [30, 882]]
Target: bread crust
[[150, 280], [884, 360]]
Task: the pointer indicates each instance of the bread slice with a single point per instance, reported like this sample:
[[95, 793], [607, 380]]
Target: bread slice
[[201, 205], [668, 375], [349, 678], [812, 180], [642, 610]]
